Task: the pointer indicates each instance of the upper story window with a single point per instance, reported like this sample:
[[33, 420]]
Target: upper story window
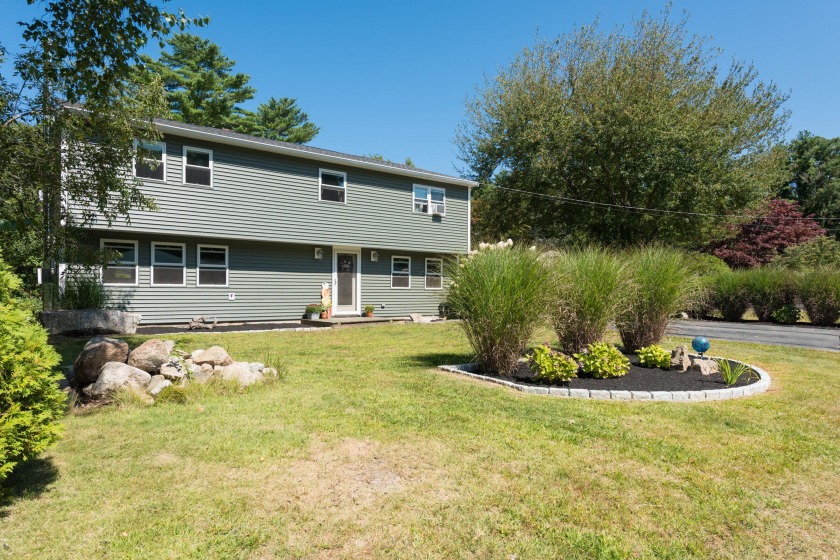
[[122, 270], [212, 265], [400, 272], [429, 200], [150, 160], [333, 186], [169, 264], [198, 166]]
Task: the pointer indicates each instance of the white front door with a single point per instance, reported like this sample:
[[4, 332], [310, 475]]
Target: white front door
[[347, 281]]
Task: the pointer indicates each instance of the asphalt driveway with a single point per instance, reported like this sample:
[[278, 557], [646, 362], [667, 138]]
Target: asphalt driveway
[[763, 333]]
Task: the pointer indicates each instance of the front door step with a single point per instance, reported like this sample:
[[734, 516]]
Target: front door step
[[350, 321]]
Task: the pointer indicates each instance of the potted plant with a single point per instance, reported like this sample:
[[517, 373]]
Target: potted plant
[[369, 310], [313, 310]]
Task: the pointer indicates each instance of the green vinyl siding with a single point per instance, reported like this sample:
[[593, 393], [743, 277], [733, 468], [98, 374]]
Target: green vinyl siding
[[275, 198], [271, 281]]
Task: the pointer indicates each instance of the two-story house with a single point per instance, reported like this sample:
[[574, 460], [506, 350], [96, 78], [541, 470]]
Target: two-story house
[[248, 229]]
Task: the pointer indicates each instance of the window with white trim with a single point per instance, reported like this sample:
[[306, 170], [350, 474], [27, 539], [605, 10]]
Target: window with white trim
[[169, 262], [122, 269], [212, 265], [400, 272], [198, 166], [429, 200], [333, 185], [150, 160], [434, 274]]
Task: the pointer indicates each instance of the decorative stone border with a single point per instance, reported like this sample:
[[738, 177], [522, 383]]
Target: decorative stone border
[[683, 396]]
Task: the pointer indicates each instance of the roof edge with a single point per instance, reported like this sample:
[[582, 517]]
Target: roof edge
[[172, 127]]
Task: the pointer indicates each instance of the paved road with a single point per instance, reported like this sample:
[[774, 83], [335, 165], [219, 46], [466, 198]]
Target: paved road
[[784, 335]]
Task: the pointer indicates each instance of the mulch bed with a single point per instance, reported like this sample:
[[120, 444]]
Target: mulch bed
[[639, 379], [243, 327]]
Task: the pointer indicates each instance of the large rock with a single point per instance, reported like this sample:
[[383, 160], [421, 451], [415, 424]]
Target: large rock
[[172, 371], [115, 376], [705, 366], [157, 384], [242, 373], [152, 354], [215, 356], [679, 359], [90, 321], [96, 353]]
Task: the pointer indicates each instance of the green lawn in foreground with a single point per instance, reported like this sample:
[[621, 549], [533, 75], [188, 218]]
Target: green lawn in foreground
[[366, 451]]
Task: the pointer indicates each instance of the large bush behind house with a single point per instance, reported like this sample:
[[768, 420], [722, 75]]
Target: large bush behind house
[[590, 287], [500, 295], [819, 289], [30, 400], [663, 283]]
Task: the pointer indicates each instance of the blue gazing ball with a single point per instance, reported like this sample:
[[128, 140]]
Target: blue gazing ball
[[700, 344]]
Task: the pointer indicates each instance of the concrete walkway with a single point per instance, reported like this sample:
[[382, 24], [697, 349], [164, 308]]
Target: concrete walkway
[[762, 333]]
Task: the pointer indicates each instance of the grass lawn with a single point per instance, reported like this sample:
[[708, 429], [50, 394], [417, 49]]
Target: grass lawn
[[364, 450]]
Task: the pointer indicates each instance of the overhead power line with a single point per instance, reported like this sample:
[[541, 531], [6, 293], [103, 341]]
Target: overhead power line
[[642, 210]]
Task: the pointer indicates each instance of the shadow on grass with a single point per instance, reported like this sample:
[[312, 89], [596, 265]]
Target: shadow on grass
[[27, 480], [435, 359]]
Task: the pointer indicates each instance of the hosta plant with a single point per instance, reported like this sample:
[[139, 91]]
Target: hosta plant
[[603, 360], [654, 356], [550, 366]]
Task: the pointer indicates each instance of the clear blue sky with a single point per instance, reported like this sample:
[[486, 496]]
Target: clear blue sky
[[392, 77]]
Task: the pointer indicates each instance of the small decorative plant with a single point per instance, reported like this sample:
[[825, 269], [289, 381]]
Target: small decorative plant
[[369, 310], [314, 309], [654, 356], [550, 366], [731, 373], [603, 360], [786, 315]]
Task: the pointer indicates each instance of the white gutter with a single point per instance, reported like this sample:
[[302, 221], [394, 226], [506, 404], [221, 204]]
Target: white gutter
[[290, 151]]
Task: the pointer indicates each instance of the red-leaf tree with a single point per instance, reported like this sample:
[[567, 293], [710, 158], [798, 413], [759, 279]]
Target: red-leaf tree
[[779, 224]]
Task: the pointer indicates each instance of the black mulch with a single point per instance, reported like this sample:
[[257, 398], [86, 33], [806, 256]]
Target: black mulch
[[642, 379], [244, 327]]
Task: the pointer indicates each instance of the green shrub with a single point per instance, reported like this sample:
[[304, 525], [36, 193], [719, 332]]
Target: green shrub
[[819, 290], [30, 400], [730, 294], [84, 291], [705, 267], [602, 361], [550, 366], [663, 284], [731, 373], [590, 287], [820, 251], [769, 288], [786, 315], [654, 356], [500, 295]]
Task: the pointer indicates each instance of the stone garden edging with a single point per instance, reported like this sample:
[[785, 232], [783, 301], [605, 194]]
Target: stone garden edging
[[680, 396]]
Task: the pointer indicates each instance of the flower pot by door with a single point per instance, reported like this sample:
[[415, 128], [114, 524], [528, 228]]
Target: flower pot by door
[[314, 316]]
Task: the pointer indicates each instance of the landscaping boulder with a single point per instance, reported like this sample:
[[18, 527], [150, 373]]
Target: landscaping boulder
[[705, 366], [242, 373], [157, 384], [270, 371], [215, 356], [172, 370], [96, 353], [202, 376], [679, 359], [117, 375], [152, 354]]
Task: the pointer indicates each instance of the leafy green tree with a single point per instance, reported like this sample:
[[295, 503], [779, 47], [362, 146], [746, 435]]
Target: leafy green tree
[[635, 118], [814, 179], [202, 88], [80, 54]]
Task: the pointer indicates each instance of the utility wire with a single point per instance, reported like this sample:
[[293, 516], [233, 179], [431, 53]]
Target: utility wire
[[641, 209]]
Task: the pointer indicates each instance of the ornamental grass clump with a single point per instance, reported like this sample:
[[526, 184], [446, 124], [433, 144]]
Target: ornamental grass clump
[[705, 267], [730, 294], [769, 288], [819, 289], [84, 291], [500, 294], [589, 288], [663, 283]]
